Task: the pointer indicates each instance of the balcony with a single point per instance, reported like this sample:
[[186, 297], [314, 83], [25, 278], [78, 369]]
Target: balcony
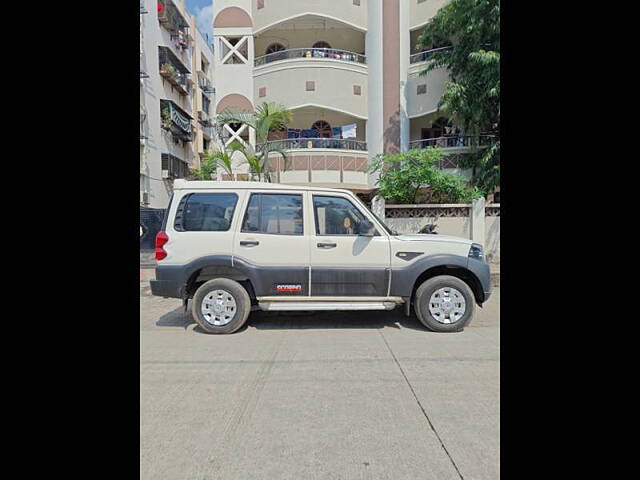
[[205, 84], [174, 167], [311, 53], [454, 146], [171, 18], [176, 121], [308, 143], [174, 71], [427, 54], [204, 118], [450, 142], [332, 85]]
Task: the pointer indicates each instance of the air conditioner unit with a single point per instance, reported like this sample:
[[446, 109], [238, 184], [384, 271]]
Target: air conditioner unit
[[165, 173]]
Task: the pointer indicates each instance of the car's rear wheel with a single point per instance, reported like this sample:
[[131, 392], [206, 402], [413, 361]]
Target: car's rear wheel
[[444, 304], [221, 305]]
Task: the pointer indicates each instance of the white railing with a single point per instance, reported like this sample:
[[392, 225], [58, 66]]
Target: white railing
[[313, 54]]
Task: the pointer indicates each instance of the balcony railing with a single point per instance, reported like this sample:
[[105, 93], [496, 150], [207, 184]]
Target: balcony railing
[[172, 69], [455, 141], [176, 121], [170, 16], [311, 53], [304, 143], [205, 84], [427, 54]]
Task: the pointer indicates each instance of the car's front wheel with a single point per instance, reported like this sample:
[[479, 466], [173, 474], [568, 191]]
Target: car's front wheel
[[221, 305], [444, 304]]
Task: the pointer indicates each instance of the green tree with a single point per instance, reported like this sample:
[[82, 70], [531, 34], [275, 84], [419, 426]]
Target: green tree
[[268, 117], [222, 157], [404, 177], [471, 98], [257, 160]]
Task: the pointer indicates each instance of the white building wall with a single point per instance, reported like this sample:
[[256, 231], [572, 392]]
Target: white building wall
[[152, 90]]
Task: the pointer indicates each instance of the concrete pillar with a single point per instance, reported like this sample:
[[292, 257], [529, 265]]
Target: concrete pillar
[[373, 49], [405, 51], [378, 206], [477, 221], [391, 75]]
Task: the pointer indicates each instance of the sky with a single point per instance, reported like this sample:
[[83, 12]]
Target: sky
[[203, 11]]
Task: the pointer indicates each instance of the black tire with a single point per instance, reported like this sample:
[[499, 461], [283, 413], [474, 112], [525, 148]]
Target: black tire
[[240, 296], [423, 295]]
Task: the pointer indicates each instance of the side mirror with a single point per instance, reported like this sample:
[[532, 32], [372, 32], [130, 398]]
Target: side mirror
[[366, 228]]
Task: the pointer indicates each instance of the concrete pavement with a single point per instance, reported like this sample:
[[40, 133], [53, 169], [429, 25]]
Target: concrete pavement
[[335, 395]]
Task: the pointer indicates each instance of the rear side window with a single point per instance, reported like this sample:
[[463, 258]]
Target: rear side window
[[205, 212], [274, 213]]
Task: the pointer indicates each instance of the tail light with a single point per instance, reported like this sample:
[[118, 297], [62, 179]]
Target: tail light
[[161, 239]]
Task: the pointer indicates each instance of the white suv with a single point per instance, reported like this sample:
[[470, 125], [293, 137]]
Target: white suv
[[237, 246]]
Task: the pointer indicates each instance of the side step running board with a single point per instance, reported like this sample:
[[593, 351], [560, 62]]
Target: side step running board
[[290, 306]]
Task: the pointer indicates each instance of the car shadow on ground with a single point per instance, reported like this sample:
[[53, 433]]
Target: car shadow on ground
[[305, 320]]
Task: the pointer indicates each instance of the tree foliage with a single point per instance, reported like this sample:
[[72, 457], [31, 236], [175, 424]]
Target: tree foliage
[[404, 177], [268, 117], [222, 157], [471, 98]]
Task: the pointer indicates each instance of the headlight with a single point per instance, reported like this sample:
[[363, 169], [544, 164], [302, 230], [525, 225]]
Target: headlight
[[476, 251]]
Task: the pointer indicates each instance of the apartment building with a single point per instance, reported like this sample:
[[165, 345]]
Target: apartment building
[[176, 98], [348, 69]]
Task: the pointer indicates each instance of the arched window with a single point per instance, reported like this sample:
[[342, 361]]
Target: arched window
[[321, 44], [323, 128], [273, 48]]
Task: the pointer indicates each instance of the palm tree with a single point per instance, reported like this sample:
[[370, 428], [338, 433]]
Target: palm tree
[[268, 117], [217, 158], [257, 161]]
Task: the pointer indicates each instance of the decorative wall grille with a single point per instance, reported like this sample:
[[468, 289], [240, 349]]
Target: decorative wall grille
[[431, 212], [492, 211]]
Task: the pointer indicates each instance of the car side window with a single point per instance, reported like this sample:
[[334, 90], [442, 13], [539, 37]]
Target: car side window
[[335, 216], [274, 213], [210, 212]]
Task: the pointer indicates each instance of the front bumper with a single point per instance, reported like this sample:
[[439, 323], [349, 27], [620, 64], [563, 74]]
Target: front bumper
[[482, 271]]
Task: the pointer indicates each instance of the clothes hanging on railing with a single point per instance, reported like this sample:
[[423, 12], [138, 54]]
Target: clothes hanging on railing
[[349, 131], [179, 120]]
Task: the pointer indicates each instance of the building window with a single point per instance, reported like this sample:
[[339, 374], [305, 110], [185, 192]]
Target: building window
[[422, 89], [260, 4], [321, 44], [206, 212], [356, 2], [262, 92], [421, 1], [323, 128], [278, 214], [273, 48], [310, 86], [357, 90]]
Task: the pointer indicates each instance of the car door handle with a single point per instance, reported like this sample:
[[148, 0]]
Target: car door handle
[[249, 243], [327, 245]]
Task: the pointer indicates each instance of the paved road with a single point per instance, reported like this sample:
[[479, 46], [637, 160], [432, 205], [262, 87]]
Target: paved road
[[361, 395]]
